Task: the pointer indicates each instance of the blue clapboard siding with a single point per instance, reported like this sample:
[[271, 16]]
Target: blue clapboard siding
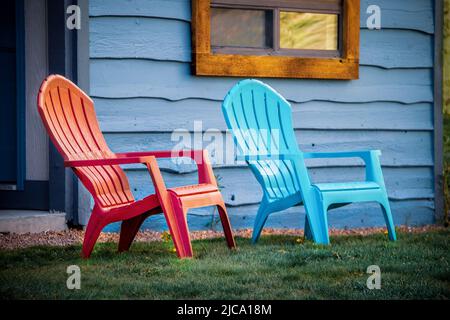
[[173, 81], [158, 39], [237, 181], [169, 40], [143, 89], [168, 9], [400, 148], [397, 14], [150, 114]]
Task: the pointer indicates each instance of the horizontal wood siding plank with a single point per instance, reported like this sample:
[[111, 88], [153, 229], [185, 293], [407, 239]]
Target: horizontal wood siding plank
[[402, 14], [146, 38], [173, 81], [399, 14], [411, 213], [158, 115], [402, 148], [159, 39], [389, 48], [170, 9]]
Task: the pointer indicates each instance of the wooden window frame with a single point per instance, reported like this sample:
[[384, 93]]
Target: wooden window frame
[[205, 62]]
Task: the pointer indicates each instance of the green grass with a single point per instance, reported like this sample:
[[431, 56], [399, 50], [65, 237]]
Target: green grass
[[416, 266]]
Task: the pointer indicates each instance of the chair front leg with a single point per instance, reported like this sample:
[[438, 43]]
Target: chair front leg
[[204, 167], [95, 226], [316, 215], [375, 173], [173, 212], [177, 221], [386, 208], [373, 169]]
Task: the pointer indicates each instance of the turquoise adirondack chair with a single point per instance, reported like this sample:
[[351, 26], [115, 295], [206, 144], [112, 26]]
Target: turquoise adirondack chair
[[260, 121]]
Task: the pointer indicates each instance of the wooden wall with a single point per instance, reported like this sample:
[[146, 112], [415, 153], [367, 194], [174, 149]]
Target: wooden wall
[[140, 79], [36, 69]]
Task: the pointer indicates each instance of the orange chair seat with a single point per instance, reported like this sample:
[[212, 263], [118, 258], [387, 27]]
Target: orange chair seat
[[194, 189]]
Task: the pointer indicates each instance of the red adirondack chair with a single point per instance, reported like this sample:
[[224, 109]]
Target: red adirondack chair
[[69, 117]]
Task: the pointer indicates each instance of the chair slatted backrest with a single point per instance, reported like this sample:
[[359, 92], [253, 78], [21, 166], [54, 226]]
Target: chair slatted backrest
[[261, 123], [69, 117]]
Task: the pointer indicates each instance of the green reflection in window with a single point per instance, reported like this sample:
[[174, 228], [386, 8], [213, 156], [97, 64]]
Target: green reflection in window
[[308, 31]]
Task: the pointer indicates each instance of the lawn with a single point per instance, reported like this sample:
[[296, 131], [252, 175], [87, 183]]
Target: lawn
[[279, 267]]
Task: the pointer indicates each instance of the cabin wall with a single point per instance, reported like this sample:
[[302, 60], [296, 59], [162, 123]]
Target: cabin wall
[[36, 69], [140, 80]]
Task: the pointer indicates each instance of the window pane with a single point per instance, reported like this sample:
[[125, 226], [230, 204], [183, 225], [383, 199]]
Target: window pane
[[312, 31], [241, 28]]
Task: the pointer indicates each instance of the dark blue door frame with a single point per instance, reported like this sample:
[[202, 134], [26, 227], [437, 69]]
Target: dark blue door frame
[[62, 59], [20, 93], [12, 112], [17, 192], [60, 192]]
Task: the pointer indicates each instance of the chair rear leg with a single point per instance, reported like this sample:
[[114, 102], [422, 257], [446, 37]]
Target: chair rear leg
[[128, 231], [260, 220], [93, 229], [388, 218], [226, 225]]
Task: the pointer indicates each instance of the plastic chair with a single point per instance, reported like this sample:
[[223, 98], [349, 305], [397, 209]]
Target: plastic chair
[[69, 117], [260, 121]]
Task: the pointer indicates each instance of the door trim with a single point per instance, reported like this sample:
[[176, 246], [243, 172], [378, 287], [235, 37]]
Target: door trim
[[20, 94]]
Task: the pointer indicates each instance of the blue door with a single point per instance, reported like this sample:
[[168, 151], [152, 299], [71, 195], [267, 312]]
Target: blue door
[[10, 110]]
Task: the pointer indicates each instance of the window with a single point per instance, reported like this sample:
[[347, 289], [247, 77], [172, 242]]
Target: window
[[276, 38], [309, 31], [240, 28]]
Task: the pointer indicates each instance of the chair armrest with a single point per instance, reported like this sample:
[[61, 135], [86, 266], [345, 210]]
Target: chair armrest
[[196, 155], [108, 161], [365, 154], [262, 157], [311, 155], [201, 158], [371, 159]]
